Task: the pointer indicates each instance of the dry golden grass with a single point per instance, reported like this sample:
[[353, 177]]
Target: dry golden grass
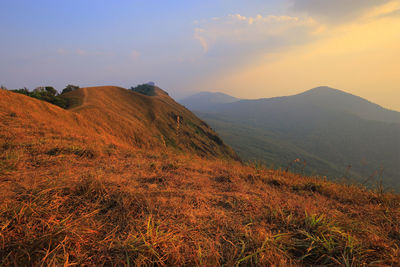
[[69, 198], [133, 119]]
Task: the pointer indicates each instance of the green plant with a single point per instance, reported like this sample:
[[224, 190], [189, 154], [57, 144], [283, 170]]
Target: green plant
[[47, 93], [322, 242], [69, 88], [267, 244], [148, 247]]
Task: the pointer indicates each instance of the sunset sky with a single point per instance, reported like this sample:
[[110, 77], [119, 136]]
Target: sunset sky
[[245, 48]]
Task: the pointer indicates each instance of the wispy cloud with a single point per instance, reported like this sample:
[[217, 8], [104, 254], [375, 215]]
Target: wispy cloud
[[134, 54], [391, 8], [337, 11], [237, 34], [62, 51], [198, 36], [80, 52]]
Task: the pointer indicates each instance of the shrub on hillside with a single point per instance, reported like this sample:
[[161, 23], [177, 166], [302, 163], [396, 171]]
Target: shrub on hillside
[[69, 88], [45, 90], [45, 93], [142, 87]]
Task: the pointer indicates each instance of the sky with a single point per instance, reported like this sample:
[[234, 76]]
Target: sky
[[245, 48]]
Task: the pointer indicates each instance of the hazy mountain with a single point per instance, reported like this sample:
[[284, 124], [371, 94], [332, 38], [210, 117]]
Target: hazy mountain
[[339, 100], [329, 129], [207, 100]]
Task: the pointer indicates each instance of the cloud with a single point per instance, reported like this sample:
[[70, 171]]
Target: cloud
[[238, 35], [336, 11], [62, 51], [390, 9], [198, 36], [81, 52], [78, 51], [134, 54]]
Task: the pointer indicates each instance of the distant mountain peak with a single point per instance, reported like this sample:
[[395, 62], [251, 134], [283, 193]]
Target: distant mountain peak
[[335, 99], [207, 100], [212, 94], [324, 90]]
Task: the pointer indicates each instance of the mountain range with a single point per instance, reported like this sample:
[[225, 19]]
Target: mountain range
[[323, 131]]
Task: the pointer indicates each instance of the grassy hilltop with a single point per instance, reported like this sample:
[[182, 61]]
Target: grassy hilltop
[[124, 178]]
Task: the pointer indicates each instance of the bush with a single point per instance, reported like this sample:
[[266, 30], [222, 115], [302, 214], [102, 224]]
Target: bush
[[46, 93], [23, 91], [142, 87], [69, 88], [46, 90], [145, 89], [50, 90]]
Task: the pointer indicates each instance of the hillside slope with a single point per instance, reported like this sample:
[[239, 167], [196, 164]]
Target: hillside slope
[[135, 119], [70, 197], [333, 133]]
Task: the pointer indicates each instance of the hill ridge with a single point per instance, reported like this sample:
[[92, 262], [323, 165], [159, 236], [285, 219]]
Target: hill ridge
[[119, 116]]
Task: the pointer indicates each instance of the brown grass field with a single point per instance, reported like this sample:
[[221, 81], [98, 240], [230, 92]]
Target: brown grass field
[[119, 180]]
